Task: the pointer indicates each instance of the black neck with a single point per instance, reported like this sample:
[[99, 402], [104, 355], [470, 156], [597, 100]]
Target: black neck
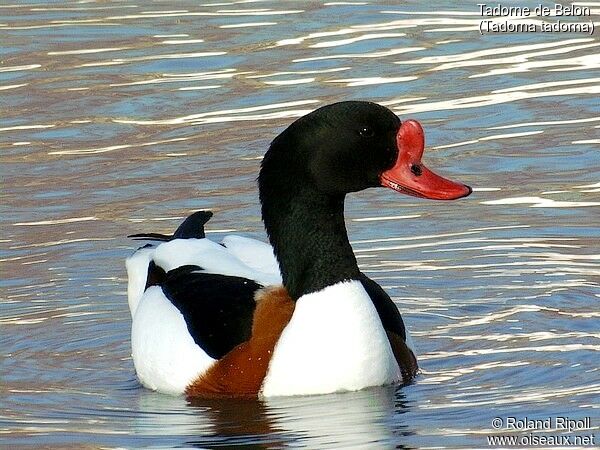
[[307, 231]]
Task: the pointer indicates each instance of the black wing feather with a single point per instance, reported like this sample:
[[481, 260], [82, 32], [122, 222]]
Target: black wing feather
[[388, 312], [218, 309], [150, 237]]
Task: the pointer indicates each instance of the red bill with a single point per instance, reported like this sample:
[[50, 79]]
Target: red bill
[[410, 176]]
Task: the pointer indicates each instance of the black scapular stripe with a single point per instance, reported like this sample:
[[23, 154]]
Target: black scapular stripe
[[156, 275], [217, 309], [386, 309]]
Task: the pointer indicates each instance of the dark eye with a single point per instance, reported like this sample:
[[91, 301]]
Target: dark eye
[[366, 132]]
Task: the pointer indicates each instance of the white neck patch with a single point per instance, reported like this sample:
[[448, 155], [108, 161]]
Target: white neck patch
[[333, 342]]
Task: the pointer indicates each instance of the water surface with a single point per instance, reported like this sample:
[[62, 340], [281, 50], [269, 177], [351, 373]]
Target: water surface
[[125, 116]]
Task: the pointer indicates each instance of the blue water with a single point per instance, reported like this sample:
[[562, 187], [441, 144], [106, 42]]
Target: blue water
[[123, 117]]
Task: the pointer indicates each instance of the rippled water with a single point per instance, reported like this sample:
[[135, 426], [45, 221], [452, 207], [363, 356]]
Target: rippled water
[[124, 116]]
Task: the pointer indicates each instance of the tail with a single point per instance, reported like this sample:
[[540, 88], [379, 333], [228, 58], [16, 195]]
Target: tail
[[192, 227]]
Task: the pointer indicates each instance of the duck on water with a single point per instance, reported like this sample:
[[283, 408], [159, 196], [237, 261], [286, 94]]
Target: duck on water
[[242, 318]]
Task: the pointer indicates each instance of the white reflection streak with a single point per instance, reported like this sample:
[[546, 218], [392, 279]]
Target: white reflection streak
[[398, 101], [86, 8], [60, 242], [169, 78], [587, 141], [290, 82], [415, 238], [345, 3], [299, 72], [492, 99], [552, 270], [18, 258], [352, 82], [425, 244], [451, 374], [248, 24], [393, 25], [569, 394], [27, 127], [586, 62], [168, 11], [549, 122], [585, 186], [19, 68], [500, 227], [489, 138], [377, 54], [87, 51], [493, 351], [299, 40], [491, 268], [547, 85], [87, 151], [538, 395], [182, 41], [287, 114], [539, 202], [510, 135], [374, 219], [493, 317], [12, 86], [356, 39], [199, 88], [514, 242], [446, 60], [57, 221], [205, 75], [534, 336], [224, 115], [222, 13], [500, 247], [153, 58]]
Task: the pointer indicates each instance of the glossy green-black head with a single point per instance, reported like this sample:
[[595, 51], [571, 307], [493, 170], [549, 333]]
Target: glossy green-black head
[[350, 146], [339, 148]]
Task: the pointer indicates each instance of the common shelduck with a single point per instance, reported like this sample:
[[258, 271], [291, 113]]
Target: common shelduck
[[242, 318]]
